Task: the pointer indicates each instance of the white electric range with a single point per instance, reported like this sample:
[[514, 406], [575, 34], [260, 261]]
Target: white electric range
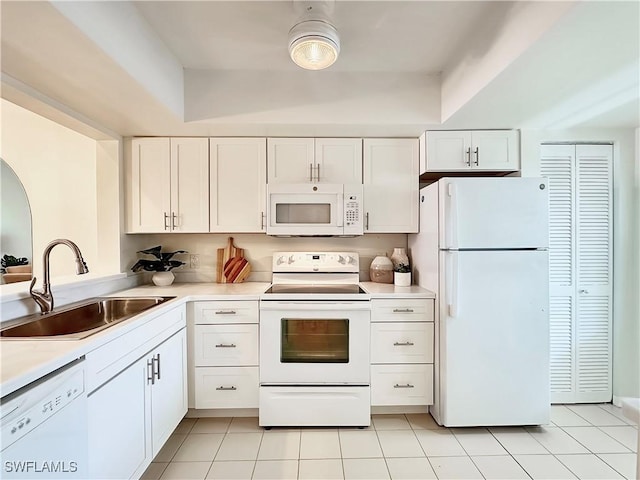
[[314, 342]]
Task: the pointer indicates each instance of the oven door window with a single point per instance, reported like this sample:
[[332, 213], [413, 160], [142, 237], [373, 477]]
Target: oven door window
[[314, 341]]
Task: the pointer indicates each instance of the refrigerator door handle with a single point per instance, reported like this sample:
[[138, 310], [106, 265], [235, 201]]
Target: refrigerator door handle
[[452, 303], [452, 227]]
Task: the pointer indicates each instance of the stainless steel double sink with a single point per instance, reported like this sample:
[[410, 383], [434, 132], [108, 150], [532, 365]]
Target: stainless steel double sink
[[79, 320]]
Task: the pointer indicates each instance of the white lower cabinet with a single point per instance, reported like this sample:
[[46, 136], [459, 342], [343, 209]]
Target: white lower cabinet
[[402, 384], [224, 354], [402, 342], [135, 410], [226, 387], [401, 352]]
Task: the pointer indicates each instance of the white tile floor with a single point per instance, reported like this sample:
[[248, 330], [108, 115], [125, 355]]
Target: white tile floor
[[583, 441]]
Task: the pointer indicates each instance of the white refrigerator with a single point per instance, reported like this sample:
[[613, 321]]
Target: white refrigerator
[[482, 248]]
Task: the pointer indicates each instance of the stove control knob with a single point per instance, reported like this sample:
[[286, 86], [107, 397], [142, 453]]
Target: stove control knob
[[280, 261], [341, 259], [351, 260], [292, 259]]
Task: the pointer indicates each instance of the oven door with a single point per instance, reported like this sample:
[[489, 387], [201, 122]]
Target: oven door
[[314, 343], [300, 209]]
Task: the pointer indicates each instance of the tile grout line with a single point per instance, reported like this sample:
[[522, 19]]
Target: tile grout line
[[380, 445], [611, 466]]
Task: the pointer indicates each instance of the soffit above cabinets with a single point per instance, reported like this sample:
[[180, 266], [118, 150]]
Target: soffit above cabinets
[[221, 68]]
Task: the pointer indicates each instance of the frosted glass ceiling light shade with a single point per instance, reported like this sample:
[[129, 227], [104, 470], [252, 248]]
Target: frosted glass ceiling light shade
[[314, 44]]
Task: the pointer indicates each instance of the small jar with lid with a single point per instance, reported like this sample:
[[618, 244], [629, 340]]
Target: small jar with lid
[[381, 270]]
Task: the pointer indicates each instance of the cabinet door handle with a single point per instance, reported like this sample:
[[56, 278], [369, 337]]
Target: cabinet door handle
[[403, 344], [406, 385], [226, 345], [366, 223], [166, 218], [318, 173], [468, 162], [583, 290], [150, 372], [226, 312], [157, 363], [311, 172], [226, 388], [263, 218], [173, 220], [403, 310], [477, 153]]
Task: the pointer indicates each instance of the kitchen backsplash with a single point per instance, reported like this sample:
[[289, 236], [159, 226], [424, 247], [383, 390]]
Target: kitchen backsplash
[[259, 249]]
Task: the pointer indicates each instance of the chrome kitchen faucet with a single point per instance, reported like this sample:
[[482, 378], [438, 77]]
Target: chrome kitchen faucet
[[44, 297]]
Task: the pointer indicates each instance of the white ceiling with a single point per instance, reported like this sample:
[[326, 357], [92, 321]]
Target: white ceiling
[[222, 67]]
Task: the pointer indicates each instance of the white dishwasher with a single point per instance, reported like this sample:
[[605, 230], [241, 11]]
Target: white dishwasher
[[44, 427]]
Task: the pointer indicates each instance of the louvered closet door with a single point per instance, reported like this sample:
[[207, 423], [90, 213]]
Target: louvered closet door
[[557, 163], [593, 263], [579, 271]]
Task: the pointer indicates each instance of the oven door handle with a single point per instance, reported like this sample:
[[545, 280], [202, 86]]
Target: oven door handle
[[318, 305]]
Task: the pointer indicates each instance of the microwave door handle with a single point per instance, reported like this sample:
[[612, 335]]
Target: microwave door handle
[[341, 213]]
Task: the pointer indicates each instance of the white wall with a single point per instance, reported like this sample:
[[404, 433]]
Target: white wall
[[57, 167], [15, 216], [626, 239], [74, 188]]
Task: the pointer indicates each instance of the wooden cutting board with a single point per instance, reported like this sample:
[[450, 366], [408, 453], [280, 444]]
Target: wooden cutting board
[[231, 266]]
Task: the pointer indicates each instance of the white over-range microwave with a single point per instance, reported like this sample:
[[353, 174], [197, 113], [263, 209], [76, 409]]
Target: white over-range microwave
[[314, 209]]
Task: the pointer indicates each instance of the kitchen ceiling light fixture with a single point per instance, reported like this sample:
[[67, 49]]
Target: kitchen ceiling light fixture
[[314, 44]]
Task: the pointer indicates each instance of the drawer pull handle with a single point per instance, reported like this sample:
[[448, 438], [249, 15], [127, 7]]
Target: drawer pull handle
[[226, 312], [403, 344], [406, 385], [403, 310], [226, 388], [226, 345]]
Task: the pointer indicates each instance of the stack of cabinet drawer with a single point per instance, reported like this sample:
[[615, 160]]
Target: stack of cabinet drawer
[[401, 352], [226, 354]]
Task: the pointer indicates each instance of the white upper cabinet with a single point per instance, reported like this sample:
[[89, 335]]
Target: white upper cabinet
[[338, 160], [322, 160], [238, 177], [477, 150], [168, 185], [391, 185]]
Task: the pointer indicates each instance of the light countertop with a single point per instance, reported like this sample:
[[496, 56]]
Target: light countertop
[[389, 290], [24, 361]]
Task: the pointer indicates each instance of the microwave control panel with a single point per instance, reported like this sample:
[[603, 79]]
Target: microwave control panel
[[353, 210]]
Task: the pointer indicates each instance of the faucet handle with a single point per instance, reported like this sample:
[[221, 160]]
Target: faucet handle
[[33, 282], [42, 298]]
